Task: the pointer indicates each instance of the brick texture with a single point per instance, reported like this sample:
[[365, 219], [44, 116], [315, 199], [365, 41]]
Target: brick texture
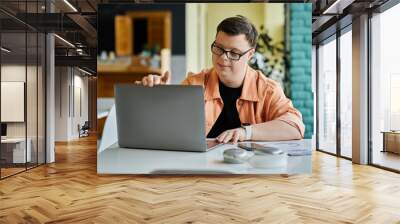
[[300, 63]]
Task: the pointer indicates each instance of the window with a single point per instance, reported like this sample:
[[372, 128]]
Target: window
[[385, 88], [22, 77], [327, 97], [328, 111], [346, 94]]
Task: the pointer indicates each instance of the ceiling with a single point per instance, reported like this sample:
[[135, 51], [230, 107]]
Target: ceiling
[[331, 15], [76, 22]]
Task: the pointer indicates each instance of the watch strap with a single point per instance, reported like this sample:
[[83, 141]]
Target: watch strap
[[248, 130]]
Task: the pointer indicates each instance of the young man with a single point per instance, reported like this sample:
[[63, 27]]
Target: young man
[[240, 102]]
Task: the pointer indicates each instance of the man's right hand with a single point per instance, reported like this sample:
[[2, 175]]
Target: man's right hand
[[153, 80]]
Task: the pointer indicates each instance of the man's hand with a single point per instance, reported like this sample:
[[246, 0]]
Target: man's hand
[[233, 135], [153, 80]]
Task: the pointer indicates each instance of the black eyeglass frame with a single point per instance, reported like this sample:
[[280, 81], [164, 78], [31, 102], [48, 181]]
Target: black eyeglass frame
[[226, 52]]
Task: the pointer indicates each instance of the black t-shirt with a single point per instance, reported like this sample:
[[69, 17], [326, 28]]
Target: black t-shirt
[[229, 117]]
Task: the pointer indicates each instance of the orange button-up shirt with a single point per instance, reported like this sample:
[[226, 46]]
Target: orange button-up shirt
[[262, 100]]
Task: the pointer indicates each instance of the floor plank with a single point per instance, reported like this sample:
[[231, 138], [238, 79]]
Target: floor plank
[[70, 191], [387, 159]]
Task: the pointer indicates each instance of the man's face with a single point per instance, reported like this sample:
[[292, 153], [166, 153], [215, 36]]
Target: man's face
[[231, 72]]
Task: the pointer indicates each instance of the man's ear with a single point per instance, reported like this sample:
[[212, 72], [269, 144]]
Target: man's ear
[[251, 53]]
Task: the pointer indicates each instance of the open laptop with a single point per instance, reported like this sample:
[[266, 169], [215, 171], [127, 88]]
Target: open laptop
[[167, 117]]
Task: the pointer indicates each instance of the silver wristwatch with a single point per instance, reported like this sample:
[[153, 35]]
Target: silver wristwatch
[[247, 128]]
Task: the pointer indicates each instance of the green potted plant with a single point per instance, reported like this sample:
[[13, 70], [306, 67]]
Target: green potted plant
[[272, 59]]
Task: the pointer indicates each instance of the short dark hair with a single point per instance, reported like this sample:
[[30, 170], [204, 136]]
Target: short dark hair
[[239, 25]]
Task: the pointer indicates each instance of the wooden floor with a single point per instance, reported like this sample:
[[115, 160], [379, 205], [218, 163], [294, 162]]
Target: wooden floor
[[70, 191], [387, 159], [5, 172]]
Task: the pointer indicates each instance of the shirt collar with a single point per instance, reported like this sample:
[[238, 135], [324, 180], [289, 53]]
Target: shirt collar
[[249, 89]]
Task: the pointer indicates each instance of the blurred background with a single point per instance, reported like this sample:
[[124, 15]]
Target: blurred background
[[180, 33]]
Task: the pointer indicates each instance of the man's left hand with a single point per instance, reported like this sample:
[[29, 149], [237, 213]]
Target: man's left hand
[[233, 135]]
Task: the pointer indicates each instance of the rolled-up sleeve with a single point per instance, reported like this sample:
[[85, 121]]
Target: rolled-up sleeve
[[185, 82], [281, 108]]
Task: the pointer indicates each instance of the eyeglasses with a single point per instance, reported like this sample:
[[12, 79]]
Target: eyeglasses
[[230, 54]]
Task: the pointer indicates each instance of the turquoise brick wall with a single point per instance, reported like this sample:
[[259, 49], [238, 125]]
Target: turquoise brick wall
[[300, 63]]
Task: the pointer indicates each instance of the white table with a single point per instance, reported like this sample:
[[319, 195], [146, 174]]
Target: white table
[[104, 104], [18, 150], [111, 159]]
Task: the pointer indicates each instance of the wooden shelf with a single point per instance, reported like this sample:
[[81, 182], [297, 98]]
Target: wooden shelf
[[116, 69], [108, 76]]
